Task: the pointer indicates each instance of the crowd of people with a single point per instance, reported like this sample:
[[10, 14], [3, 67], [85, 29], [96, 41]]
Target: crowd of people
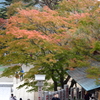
[[55, 97], [88, 96]]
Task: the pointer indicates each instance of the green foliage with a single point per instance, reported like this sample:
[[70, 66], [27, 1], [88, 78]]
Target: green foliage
[[9, 72], [3, 13], [97, 45], [3, 10], [94, 72], [52, 41]]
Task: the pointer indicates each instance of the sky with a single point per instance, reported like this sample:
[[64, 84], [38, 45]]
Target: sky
[[1, 4]]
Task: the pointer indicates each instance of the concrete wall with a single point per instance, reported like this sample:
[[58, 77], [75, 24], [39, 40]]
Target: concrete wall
[[22, 93], [5, 90], [5, 93], [35, 95]]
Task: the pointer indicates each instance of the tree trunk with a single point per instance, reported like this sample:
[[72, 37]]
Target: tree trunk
[[55, 86], [67, 79], [72, 83], [62, 81]]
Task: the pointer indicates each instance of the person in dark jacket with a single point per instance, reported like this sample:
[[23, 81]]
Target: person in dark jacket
[[87, 96], [56, 97]]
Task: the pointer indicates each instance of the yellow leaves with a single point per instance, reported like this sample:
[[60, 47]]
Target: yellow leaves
[[29, 34], [48, 59], [45, 8], [77, 5], [33, 16], [78, 63], [45, 22], [13, 8], [94, 71], [47, 26]]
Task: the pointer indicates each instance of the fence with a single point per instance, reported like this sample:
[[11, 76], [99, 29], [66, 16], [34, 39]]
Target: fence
[[66, 94]]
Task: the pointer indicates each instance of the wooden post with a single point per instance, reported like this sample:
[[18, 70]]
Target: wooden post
[[77, 93]]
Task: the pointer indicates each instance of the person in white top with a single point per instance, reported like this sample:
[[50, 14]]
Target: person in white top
[[12, 97]]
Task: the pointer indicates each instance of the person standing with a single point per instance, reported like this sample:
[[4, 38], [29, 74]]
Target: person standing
[[12, 97], [56, 97], [87, 96]]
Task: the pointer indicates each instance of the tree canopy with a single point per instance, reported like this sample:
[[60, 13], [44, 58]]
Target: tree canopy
[[52, 40]]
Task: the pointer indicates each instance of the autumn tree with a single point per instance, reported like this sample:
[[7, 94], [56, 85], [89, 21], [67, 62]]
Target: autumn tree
[[87, 40], [9, 7], [42, 39], [52, 41]]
